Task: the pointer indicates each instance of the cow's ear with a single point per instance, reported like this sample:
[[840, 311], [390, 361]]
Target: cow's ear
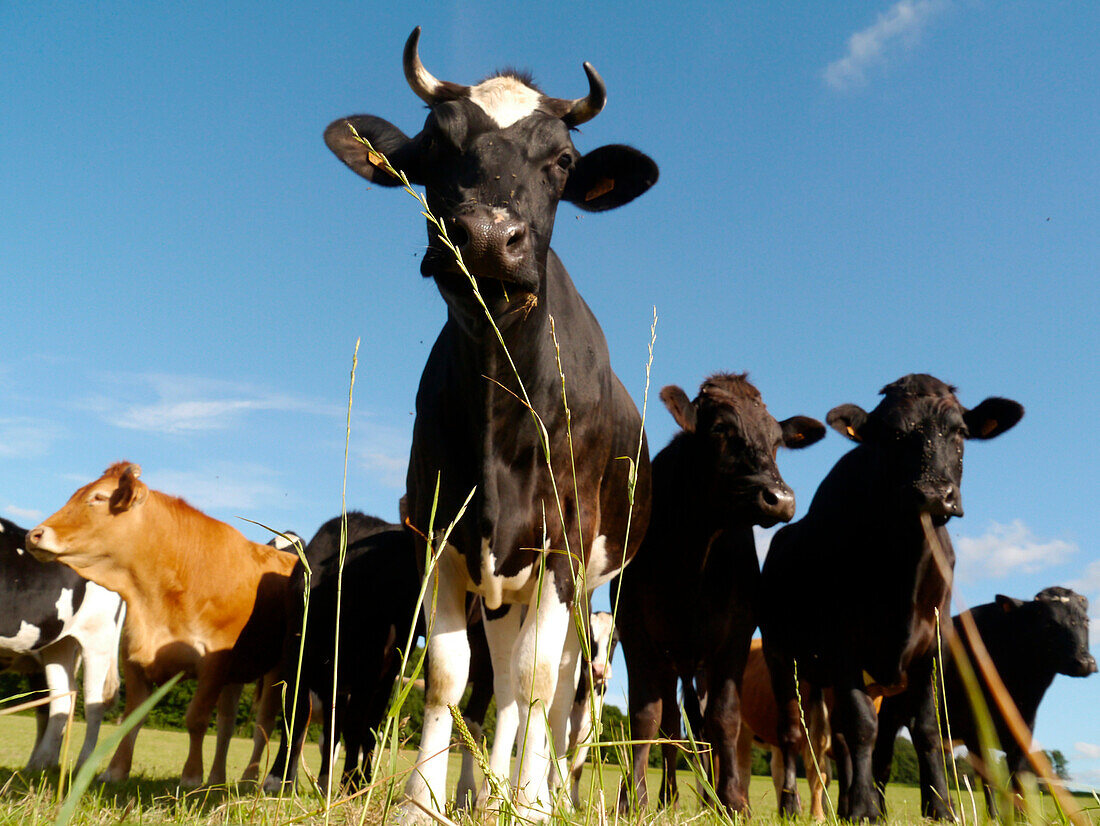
[[1007, 604], [680, 406], [848, 420], [130, 492], [992, 417], [345, 137], [609, 177], [801, 431]]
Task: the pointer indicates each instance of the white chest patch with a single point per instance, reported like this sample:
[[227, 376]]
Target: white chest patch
[[505, 99], [24, 640], [65, 606]]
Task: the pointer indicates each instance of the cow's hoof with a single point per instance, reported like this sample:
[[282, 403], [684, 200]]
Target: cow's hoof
[[190, 781], [273, 784], [112, 775]]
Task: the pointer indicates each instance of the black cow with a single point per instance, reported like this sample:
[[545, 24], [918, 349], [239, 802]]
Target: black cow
[[378, 606], [50, 619], [867, 543], [495, 160], [1028, 642], [686, 602]]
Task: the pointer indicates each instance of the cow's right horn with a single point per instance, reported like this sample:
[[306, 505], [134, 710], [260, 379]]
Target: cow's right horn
[[427, 86]]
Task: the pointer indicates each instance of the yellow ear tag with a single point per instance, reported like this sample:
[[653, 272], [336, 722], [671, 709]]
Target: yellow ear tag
[[852, 432], [376, 159], [602, 187], [868, 680]]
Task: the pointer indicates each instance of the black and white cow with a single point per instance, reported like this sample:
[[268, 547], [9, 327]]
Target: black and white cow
[[1029, 643], [50, 619], [495, 159], [868, 546]]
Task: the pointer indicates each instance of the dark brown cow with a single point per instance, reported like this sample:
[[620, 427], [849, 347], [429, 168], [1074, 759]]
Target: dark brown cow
[[869, 542], [686, 604], [200, 599], [495, 159]]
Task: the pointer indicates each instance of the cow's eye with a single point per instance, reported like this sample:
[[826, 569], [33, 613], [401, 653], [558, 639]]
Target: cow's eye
[[99, 497], [565, 161]]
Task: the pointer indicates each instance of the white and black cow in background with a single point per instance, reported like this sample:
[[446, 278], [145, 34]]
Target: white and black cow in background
[[495, 159], [50, 619]]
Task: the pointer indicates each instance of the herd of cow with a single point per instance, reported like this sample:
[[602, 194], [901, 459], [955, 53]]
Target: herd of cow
[[557, 493]]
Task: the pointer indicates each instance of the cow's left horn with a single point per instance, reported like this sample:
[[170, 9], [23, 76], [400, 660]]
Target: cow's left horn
[[427, 86], [586, 108]]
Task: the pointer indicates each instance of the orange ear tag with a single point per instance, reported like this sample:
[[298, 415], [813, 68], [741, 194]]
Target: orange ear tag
[[602, 187]]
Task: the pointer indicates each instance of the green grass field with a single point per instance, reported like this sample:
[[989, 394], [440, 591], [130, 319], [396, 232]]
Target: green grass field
[[152, 796]]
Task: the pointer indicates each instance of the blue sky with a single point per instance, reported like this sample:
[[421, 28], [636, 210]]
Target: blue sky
[[849, 192]]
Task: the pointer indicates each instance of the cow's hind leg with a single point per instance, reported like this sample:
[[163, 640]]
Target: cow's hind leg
[[229, 701], [855, 716], [788, 727]]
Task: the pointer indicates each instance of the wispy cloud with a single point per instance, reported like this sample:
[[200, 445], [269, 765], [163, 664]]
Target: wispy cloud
[[24, 436], [1089, 751], [1007, 549], [24, 515], [896, 30], [223, 486], [162, 403]]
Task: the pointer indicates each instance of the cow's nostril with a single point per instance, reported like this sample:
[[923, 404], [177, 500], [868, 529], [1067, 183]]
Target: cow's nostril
[[515, 238], [770, 498]]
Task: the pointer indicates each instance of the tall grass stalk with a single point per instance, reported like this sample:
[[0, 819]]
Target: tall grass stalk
[[820, 765], [87, 772], [1067, 806], [939, 699]]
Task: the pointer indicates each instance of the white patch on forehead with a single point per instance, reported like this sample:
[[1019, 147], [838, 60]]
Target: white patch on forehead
[[505, 99]]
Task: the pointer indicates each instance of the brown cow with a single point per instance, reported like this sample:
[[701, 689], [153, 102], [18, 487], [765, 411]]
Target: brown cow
[[201, 599], [759, 722]]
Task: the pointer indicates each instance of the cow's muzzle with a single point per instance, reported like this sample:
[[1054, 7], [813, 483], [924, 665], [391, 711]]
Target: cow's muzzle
[[941, 502], [41, 542], [775, 504], [494, 244], [1086, 665]]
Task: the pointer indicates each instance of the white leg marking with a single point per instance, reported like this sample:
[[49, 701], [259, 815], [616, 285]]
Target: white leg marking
[[449, 665], [540, 651], [502, 634]]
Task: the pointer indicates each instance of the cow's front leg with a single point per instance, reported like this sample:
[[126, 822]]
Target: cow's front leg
[[855, 716], [267, 709], [539, 653], [722, 726], [788, 726], [502, 633], [138, 689], [448, 666], [61, 660]]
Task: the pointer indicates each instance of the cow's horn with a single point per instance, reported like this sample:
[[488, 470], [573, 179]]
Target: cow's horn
[[586, 108], [427, 86]]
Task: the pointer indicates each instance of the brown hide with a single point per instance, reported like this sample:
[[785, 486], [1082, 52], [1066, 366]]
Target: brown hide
[[201, 598]]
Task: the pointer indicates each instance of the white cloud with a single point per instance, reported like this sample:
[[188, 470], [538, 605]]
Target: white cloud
[[1007, 549], [898, 28], [24, 515], [222, 486], [1089, 751], [186, 404], [21, 437]]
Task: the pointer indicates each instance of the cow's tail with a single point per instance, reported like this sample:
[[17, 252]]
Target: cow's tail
[[112, 681]]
